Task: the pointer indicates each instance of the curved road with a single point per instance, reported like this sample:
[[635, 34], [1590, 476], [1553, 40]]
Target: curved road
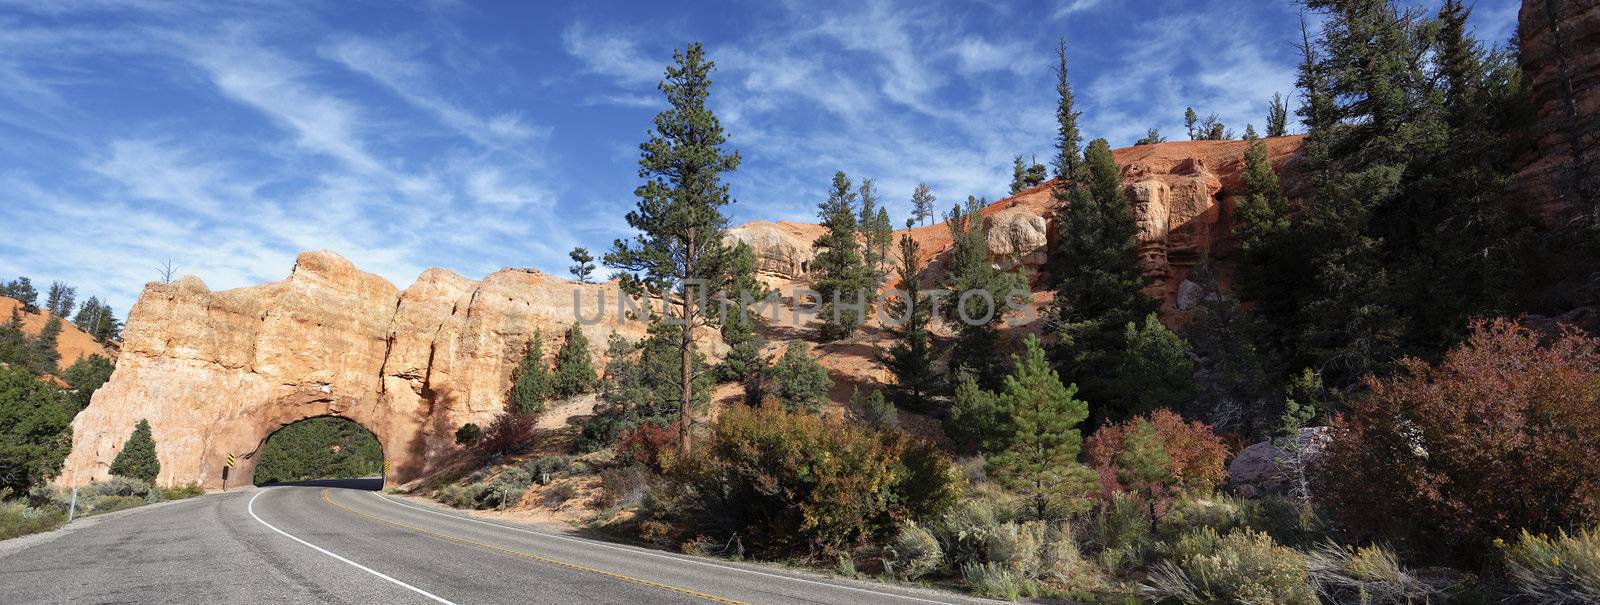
[[340, 541]]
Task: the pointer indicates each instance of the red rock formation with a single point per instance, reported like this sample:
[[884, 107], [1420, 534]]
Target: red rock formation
[[1560, 171], [217, 372]]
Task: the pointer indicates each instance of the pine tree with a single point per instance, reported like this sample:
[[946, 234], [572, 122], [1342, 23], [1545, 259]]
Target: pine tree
[[679, 215], [59, 301], [882, 237], [1190, 118], [22, 289], [13, 341], [1151, 370], [582, 264], [738, 324], [799, 381], [137, 459], [921, 204], [35, 431], [1038, 456], [468, 435], [1099, 288], [877, 234], [85, 376], [911, 358], [533, 384], [574, 373], [1026, 175], [1232, 371], [1277, 117], [839, 274], [979, 293], [43, 356], [1069, 143], [1151, 137]]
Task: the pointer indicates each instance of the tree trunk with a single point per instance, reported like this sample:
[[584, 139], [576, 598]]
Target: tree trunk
[[686, 352]]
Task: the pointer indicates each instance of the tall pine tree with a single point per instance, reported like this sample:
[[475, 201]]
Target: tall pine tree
[[532, 385], [574, 372], [679, 248], [839, 273], [922, 204], [910, 359]]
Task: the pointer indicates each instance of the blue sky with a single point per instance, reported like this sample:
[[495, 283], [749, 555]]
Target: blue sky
[[479, 136]]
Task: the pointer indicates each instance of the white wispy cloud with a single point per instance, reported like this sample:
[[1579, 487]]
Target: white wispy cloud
[[611, 55]]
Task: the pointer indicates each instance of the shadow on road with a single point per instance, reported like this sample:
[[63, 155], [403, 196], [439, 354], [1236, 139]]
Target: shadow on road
[[370, 484]]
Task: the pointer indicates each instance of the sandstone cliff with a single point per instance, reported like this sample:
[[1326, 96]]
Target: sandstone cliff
[[1558, 176], [216, 372]]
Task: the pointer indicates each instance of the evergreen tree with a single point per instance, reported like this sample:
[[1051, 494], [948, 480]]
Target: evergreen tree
[[1038, 456], [679, 215], [921, 204], [533, 384], [582, 264], [60, 299], [35, 431], [1277, 117], [1190, 118], [1069, 142], [22, 289], [1099, 288], [137, 458], [799, 381], [877, 233], [13, 341], [1026, 175], [468, 435], [910, 359], [1231, 371], [738, 324], [1151, 369], [574, 373], [98, 320], [839, 274], [325, 447], [1151, 137], [641, 385], [1270, 273], [42, 353], [882, 237], [85, 376], [979, 294]]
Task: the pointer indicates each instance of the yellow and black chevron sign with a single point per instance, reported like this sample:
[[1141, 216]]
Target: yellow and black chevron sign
[[387, 467], [230, 460]]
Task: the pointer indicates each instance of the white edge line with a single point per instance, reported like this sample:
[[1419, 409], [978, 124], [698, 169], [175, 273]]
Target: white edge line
[[641, 551], [251, 508]]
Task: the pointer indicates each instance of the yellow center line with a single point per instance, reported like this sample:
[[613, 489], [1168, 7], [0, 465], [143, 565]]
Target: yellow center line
[[525, 555]]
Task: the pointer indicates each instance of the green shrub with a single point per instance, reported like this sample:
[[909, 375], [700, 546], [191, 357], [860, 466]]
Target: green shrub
[[963, 531], [1122, 530], [1370, 574], [553, 466], [841, 485], [1244, 566], [878, 412], [461, 496], [106, 504], [119, 486], [506, 490], [1219, 512], [997, 581], [35, 430], [19, 519], [912, 554], [1564, 569], [187, 490], [469, 434]]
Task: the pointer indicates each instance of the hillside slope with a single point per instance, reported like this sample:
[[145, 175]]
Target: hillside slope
[[73, 342]]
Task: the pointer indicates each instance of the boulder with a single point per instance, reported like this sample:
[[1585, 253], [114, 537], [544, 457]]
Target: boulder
[[1017, 235], [1264, 469]]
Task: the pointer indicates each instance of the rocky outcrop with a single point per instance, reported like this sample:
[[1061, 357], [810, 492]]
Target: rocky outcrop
[[783, 250], [1017, 235], [1558, 177], [1264, 469], [217, 372]]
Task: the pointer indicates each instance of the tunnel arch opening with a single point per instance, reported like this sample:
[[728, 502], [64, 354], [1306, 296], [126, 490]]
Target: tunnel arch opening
[[319, 448]]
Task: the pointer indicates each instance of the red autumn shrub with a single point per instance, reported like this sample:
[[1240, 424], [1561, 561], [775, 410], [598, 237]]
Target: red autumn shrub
[[1194, 454], [510, 433], [646, 443], [1503, 434]]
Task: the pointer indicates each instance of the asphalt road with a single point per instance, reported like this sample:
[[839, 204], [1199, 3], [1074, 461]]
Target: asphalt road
[[340, 541]]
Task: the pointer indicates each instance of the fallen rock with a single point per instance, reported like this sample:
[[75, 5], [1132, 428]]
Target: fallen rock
[[1263, 469]]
